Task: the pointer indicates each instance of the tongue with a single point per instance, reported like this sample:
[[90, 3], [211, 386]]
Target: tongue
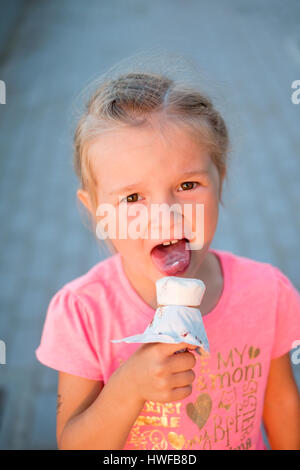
[[171, 259]]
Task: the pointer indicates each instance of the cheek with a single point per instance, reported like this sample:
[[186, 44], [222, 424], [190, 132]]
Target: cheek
[[132, 251], [124, 246], [132, 221], [206, 217], [211, 207], [122, 223]]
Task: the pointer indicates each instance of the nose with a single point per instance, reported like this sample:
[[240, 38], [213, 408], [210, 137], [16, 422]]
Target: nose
[[166, 218], [166, 198]]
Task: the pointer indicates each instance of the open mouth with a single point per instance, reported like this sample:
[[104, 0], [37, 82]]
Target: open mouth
[[171, 257]]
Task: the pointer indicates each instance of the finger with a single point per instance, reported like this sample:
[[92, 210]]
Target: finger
[[182, 379], [181, 362], [181, 393]]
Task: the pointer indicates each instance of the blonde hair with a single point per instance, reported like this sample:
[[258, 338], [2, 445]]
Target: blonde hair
[[132, 99]]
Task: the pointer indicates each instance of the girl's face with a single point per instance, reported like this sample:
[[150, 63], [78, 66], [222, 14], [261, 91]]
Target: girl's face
[[137, 168]]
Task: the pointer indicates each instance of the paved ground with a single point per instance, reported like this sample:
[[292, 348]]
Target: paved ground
[[48, 52]]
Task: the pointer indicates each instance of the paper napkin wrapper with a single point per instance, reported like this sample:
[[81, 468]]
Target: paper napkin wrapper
[[177, 318]]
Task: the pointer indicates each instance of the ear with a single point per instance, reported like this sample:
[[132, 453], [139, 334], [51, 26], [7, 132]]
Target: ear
[[84, 197]]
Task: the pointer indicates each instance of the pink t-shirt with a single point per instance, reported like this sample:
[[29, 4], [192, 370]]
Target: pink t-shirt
[[256, 319]]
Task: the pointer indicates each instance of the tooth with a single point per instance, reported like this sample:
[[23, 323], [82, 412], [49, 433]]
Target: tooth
[[174, 241], [166, 243]]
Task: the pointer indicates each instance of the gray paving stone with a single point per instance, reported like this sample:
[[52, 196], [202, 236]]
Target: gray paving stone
[[20, 351], [12, 15], [31, 303], [48, 379], [8, 412], [44, 422]]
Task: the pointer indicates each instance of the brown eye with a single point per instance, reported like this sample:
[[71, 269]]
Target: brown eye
[[188, 185], [132, 197]]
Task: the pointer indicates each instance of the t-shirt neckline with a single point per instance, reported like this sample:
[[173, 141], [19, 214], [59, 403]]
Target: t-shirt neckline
[[147, 311]]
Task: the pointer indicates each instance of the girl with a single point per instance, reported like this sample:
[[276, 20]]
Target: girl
[[144, 140]]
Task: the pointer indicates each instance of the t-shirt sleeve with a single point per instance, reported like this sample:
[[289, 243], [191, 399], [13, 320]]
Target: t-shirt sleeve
[[67, 340], [287, 328]]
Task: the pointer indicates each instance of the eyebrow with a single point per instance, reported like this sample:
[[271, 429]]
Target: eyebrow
[[125, 188], [195, 172], [135, 185]]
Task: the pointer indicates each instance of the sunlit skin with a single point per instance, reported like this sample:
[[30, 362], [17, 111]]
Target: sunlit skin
[[154, 164]]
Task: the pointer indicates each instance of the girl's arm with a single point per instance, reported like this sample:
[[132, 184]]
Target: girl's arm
[[93, 416], [281, 412], [88, 419]]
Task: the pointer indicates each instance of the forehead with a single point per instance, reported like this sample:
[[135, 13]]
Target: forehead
[[149, 148]]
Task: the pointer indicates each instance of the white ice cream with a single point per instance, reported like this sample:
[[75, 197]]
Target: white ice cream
[[172, 290]]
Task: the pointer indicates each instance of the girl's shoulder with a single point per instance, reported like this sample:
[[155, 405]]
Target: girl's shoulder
[[98, 286], [76, 314], [246, 273], [104, 273], [261, 292]]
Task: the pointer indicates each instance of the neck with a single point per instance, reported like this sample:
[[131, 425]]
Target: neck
[[143, 286]]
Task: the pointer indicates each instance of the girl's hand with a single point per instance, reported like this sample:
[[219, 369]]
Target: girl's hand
[[95, 415], [155, 373]]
